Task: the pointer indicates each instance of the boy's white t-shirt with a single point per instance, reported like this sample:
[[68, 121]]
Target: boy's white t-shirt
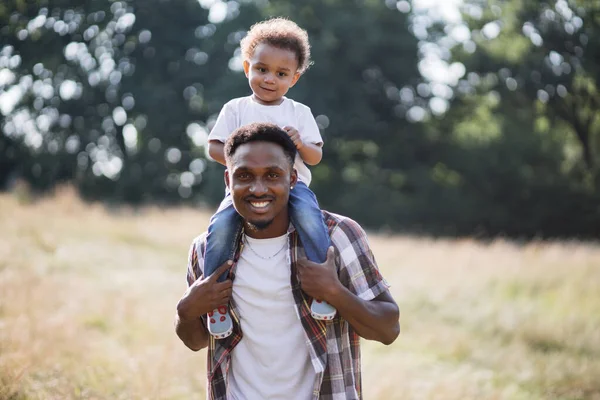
[[244, 110], [272, 360]]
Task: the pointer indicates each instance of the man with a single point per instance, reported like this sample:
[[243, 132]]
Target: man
[[277, 350]]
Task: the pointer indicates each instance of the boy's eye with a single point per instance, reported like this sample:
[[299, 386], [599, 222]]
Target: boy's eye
[[261, 69], [282, 74]]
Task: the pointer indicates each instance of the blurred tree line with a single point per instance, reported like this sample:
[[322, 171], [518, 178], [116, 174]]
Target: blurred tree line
[[118, 97]]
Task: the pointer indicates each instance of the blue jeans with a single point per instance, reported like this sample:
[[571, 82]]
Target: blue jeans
[[226, 226]]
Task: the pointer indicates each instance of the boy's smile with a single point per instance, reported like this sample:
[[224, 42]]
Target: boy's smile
[[271, 72]]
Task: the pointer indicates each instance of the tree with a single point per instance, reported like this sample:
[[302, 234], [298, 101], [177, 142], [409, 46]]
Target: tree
[[544, 52]]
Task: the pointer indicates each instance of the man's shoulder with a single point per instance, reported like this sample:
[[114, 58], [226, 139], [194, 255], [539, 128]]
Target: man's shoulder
[[199, 243], [341, 225]]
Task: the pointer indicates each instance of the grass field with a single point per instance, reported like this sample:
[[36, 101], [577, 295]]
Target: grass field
[[87, 299]]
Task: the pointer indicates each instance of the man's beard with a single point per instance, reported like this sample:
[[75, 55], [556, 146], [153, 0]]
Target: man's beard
[[259, 225]]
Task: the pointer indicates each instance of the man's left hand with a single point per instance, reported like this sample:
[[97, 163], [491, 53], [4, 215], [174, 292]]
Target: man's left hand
[[319, 280]]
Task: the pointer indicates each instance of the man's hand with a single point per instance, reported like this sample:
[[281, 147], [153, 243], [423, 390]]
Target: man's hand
[[205, 295], [319, 280], [295, 136]]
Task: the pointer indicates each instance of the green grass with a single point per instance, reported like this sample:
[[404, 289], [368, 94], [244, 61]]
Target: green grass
[[87, 299]]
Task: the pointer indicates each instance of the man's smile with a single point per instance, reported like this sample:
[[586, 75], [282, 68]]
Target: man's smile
[[259, 205]]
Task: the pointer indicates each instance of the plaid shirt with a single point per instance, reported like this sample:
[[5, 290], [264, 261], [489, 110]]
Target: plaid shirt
[[333, 345]]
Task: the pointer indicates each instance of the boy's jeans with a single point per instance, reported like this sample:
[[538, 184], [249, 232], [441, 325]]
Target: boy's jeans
[[226, 226]]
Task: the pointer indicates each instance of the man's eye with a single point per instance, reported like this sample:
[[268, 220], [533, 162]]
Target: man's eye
[[273, 175], [243, 176]]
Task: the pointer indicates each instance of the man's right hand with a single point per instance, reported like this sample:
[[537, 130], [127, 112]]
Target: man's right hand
[[205, 295]]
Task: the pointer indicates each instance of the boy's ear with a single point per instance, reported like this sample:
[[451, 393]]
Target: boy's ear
[[295, 78], [246, 66]]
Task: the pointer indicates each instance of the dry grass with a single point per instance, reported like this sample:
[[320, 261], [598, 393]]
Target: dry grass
[[87, 298]]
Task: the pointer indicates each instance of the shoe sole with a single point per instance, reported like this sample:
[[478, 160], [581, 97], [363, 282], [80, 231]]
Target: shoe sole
[[222, 327], [322, 310]]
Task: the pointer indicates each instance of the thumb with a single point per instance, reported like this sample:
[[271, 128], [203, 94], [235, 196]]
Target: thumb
[[330, 253], [222, 268]]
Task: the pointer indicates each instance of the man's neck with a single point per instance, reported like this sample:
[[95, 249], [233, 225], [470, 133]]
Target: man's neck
[[275, 229]]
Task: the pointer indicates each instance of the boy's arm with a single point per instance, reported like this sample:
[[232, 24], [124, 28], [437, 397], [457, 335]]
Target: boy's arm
[[225, 124], [215, 151], [311, 153]]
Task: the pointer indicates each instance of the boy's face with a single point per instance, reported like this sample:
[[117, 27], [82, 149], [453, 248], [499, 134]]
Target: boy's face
[[271, 72]]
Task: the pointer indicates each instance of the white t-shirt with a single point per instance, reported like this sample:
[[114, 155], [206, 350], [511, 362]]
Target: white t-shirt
[[244, 110], [272, 360]]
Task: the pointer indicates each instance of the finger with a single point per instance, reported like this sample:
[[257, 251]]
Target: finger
[[219, 271], [224, 299], [227, 284], [330, 253], [226, 294], [305, 263]]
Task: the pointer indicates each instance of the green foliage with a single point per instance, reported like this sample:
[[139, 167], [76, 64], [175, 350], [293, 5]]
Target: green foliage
[[118, 97]]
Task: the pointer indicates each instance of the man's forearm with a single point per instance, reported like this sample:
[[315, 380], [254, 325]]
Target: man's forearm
[[311, 153], [192, 333], [374, 320]]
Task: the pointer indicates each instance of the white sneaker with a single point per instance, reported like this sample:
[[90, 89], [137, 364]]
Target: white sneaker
[[219, 323], [322, 310]]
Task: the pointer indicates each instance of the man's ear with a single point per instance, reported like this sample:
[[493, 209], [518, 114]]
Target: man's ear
[[226, 176], [294, 178], [295, 78], [246, 66]]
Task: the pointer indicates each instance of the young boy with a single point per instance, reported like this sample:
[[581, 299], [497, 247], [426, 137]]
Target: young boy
[[276, 53]]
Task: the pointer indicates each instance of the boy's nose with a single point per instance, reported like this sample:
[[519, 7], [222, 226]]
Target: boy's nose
[[269, 78]]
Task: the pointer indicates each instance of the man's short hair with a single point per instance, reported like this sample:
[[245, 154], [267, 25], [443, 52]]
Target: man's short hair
[[260, 132], [281, 33]]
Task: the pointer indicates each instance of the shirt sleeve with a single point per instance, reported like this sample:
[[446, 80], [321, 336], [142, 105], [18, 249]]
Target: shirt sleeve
[[358, 270], [225, 124], [195, 264], [309, 130]]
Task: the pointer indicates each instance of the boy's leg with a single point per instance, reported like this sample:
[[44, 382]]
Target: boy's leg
[[307, 218], [224, 228]]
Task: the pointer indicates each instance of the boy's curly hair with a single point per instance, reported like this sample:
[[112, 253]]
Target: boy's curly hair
[[281, 33]]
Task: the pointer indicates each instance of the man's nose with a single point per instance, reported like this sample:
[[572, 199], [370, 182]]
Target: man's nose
[[258, 187]]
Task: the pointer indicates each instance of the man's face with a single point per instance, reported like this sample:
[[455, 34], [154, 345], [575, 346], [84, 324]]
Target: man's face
[[259, 177]]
